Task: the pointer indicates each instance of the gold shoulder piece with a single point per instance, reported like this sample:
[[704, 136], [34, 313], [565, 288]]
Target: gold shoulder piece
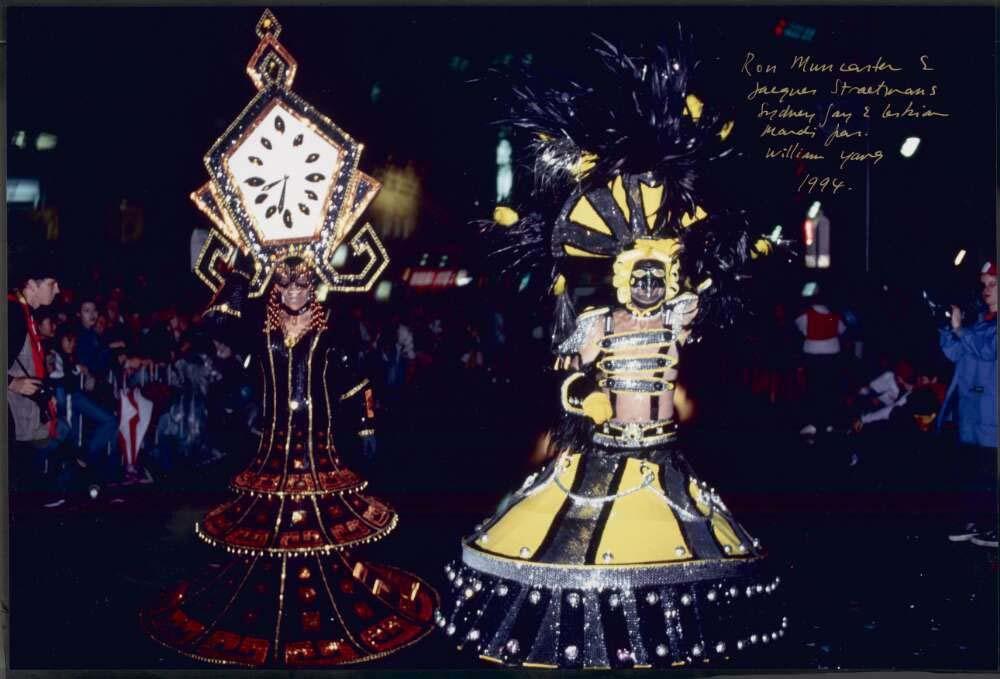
[[594, 311]]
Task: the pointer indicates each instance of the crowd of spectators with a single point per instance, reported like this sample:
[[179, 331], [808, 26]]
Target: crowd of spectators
[[134, 388], [141, 389]]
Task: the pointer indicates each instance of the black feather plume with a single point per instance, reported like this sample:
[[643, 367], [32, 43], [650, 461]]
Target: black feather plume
[[631, 117]]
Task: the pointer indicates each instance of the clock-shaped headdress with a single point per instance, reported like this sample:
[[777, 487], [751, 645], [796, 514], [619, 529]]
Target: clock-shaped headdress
[[284, 183], [616, 167]]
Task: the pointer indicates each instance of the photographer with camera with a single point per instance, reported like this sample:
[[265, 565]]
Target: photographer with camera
[[973, 350], [30, 396]]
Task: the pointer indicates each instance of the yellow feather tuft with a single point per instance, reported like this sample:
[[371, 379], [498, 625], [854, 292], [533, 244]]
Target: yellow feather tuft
[[559, 286], [694, 106], [504, 216]]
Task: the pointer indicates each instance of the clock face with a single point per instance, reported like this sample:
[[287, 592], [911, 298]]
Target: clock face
[[284, 171]]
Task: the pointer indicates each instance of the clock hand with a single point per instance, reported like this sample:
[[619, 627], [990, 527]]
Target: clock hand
[[273, 184], [281, 201]]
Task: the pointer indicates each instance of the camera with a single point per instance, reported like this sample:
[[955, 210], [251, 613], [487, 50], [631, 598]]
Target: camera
[[46, 392]]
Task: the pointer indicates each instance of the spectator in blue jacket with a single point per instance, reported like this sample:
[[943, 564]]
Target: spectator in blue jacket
[[973, 350]]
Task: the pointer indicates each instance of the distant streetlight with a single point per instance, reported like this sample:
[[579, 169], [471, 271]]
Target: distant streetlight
[[959, 257], [383, 291], [909, 146], [45, 142], [505, 175]]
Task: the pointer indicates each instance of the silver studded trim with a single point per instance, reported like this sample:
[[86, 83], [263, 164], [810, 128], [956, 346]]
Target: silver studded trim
[[613, 441], [584, 322], [636, 339], [554, 576], [635, 385], [644, 363]]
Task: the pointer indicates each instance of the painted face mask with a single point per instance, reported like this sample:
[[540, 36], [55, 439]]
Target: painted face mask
[[646, 275], [648, 284], [295, 286]]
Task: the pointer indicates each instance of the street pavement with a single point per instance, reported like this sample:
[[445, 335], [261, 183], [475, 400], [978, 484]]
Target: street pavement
[[871, 580]]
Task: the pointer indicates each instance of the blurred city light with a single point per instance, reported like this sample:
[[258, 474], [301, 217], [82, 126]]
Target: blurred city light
[[339, 257], [775, 235], [23, 191], [959, 257], [20, 139], [45, 141], [909, 146], [458, 64], [462, 278], [809, 289], [813, 210], [383, 290], [505, 176], [809, 231], [397, 205], [787, 29]]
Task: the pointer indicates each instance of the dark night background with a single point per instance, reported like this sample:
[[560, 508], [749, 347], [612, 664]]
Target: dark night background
[[137, 96]]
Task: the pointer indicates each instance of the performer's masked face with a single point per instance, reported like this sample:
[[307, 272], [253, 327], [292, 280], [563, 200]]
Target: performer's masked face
[[295, 286], [648, 283]]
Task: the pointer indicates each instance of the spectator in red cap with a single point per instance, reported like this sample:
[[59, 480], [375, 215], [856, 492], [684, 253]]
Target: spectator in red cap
[[973, 350]]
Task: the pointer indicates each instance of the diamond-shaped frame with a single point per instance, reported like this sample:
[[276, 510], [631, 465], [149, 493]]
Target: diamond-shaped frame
[[270, 48]]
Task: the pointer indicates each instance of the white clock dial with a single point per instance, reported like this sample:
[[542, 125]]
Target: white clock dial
[[284, 170]]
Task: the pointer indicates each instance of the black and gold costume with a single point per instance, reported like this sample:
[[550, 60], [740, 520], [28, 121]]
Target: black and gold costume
[[617, 554], [294, 594]]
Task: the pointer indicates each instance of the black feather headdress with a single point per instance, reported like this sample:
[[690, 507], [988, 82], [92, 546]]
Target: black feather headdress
[[619, 158]]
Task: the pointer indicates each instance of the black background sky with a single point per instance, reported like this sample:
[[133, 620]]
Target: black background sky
[[138, 95]]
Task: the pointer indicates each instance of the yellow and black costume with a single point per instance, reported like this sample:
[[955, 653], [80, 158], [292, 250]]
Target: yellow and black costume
[[294, 594], [617, 554]]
